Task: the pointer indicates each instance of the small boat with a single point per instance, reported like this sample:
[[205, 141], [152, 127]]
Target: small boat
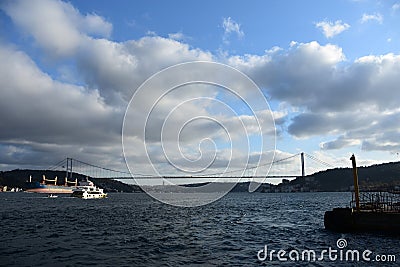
[[87, 190], [52, 196], [368, 212]]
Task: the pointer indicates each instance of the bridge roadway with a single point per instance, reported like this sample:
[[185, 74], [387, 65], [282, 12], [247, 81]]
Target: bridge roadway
[[203, 177], [107, 173]]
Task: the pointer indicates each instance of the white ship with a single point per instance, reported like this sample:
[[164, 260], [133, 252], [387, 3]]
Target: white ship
[[87, 190]]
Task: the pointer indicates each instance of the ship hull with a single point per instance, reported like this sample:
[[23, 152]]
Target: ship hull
[[344, 220], [36, 187]]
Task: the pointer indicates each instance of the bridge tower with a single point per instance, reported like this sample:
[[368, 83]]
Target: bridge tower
[[68, 170], [303, 173]]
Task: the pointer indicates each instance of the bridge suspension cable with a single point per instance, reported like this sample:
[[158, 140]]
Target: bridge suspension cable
[[58, 165], [252, 167], [319, 161], [105, 169], [95, 171]]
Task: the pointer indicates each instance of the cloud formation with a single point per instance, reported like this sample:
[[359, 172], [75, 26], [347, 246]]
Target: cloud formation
[[372, 17], [353, 101], [55, 25], [331, 29], [231, 27], [88, 118], [42, 118], [45, 118]]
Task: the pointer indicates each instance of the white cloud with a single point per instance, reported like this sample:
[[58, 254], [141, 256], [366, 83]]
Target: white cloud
[[151, 33], [178, 36], [353, 101], [372, 17], [339, 143], [55, 25], [331, 29], [396, 7], [94, 24], [85, 116], [42, 119], [40, 116], [230, 26], [111, 72]]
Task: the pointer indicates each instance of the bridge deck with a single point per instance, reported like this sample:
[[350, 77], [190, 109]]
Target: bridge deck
[[203, 177]]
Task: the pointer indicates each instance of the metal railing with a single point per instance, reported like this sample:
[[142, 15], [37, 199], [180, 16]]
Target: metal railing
[[377, 201]]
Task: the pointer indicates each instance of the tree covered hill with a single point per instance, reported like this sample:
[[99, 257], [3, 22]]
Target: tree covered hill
[[381, 176], [376, 177]]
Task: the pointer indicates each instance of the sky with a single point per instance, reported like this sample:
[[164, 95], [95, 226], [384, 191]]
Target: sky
[[327, 76]]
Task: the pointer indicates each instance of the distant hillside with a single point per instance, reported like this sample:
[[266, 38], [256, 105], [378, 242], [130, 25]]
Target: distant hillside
[[18, 178], [376, 177], [201, 187]]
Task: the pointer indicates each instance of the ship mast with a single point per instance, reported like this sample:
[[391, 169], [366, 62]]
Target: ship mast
[[355, 177]]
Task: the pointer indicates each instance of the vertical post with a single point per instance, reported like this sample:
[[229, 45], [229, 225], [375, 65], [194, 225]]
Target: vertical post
[[71, 167], [66, 171], [303, 173], [355, 177]]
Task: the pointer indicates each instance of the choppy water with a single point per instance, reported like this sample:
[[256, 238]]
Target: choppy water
[[135, 230]]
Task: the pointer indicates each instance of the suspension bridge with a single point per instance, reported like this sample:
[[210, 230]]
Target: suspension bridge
[[284, 167]]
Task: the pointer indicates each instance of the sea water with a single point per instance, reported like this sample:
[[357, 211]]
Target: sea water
[[241, 229]]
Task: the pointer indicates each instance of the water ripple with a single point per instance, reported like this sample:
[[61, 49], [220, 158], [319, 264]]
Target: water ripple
[[135, 230]]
